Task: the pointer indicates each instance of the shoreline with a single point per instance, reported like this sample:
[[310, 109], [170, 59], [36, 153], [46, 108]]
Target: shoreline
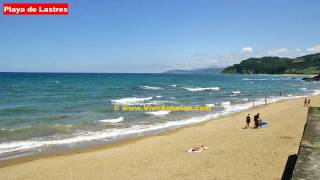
[[311, 75], [153, 140], [113, 144], [308, 75], [98, 145]]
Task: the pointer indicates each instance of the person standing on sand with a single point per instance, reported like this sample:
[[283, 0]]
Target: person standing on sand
[[248, 119], [265, 101], [305, 102], [309, 102]]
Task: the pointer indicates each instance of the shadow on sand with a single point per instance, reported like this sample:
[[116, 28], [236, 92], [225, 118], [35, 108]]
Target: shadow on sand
[[287, 173]]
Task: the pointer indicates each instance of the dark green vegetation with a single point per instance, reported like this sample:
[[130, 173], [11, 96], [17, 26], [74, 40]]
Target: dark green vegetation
[[309, 64]]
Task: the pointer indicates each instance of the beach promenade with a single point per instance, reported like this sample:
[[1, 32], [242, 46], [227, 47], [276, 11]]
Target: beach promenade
[[308, 164], [234, 152]]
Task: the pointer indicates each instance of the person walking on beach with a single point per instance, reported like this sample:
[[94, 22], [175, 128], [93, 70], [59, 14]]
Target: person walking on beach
[[309, 102], [248, 119], [305, 102], [265, 101]]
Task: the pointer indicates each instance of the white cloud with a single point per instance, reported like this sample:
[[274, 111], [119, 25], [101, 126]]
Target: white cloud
[[203, 60], [314, 49], [279, 52], [247, 50]]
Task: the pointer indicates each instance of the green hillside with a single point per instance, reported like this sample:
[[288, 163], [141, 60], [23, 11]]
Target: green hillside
[[309, 64]]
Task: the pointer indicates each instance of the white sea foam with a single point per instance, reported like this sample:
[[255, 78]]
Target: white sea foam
[[150, 87], [235, 108], [202, 89], [15, 129], [130, 101], [210, 105], [173, 85], [158, 96], [316, 92], [236, 92], [232, 108], [253, 79], [157, 102], [63, 125], [112, 120], [279, 79], [225, 103], [158, 113], [11, 147], [312, 92]]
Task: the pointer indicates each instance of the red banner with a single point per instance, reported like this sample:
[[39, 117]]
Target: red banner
[[35, 8]]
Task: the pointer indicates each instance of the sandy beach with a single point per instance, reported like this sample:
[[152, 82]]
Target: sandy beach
[[234, 152]]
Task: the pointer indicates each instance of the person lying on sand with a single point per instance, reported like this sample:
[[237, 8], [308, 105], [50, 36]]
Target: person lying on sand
[[198, 148]]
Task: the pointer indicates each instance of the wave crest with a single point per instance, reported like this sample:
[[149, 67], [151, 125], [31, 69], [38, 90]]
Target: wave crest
[[158, 113], [130, 101], [112, 120], [150, 87], [202, 89]]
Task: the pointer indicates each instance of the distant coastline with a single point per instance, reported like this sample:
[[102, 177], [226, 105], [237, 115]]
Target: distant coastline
[[210, 70]]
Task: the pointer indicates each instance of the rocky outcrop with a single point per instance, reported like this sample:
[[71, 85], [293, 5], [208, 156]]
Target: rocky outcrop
[[316, 78]]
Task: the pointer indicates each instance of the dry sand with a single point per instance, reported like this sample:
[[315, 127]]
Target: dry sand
[[234, 153]]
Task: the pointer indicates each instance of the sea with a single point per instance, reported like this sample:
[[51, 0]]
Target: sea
[[46, 112]]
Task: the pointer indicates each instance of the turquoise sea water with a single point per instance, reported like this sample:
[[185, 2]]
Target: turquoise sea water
[[43, 111]]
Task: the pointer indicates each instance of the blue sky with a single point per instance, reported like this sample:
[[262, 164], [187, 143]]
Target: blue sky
[[157, 35]]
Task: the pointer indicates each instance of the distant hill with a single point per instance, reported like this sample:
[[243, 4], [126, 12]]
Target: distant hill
[[309, 64], [212, 70]]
